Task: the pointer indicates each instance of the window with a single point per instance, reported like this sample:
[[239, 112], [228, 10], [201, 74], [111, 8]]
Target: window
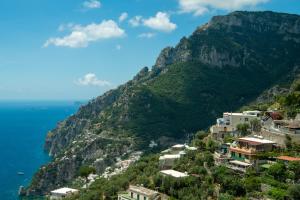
[[246, 119], [138, 197], [131, 195], [145, 198]]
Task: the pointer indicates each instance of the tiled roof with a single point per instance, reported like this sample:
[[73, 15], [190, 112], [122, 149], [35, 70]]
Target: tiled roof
[[288, 158]]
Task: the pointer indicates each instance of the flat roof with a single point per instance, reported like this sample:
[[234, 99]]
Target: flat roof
[[178, 146], [174, 173], [256, 141], [288, 158], [235, 114], [142, 190], [240, 163], [169, 156], [64, 191], [191, 148]]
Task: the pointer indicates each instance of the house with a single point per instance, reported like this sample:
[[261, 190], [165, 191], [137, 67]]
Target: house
[[246, 148], [278, 129], [169, 156], [139, 193], [286, 126], [243, 152], [173, 173], [62, 193], [229, 122], [294, 127], [288, 159]]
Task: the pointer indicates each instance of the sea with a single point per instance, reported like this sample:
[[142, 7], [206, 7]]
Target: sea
[[23, 128]]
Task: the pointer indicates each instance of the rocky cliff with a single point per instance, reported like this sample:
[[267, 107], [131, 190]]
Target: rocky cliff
[[223, 65]]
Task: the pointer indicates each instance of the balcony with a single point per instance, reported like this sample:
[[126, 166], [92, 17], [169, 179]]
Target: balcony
[[243, 150]]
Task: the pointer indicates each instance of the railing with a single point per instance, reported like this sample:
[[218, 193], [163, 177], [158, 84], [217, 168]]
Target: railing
[[235, 168], [251, 150]]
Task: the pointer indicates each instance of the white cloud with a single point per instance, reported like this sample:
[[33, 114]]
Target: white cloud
[[146, 35], [161, 22], [199, 7], [91, 4], [91, 79], [81, 36], [123, 16], [135, 21]]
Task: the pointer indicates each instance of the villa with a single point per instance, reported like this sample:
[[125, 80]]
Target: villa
[[243, 152], [277, 130], [229, 122]]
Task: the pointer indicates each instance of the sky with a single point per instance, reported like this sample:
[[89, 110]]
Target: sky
[[78, 49]]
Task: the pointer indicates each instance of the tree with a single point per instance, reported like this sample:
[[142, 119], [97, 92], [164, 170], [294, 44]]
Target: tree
[[278, 171], [201, 135], [294, 192], [252, 184], [277, 193], [243, 129], [288, 142], [255, 125], [295, 168], [225, 196], [85, 171]]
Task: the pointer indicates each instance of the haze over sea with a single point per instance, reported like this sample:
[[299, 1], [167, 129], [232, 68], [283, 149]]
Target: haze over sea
[[23, 128]]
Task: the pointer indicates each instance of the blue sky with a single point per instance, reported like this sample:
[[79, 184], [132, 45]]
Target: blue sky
[[78, 49]]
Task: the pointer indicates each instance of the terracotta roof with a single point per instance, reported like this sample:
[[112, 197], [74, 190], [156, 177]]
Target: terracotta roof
[[288, 158]]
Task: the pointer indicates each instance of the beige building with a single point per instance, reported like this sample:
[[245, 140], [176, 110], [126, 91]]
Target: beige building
[[230, 121], [243, 152], [139, 193]]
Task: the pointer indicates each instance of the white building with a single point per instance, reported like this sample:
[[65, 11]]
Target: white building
[[62, 193], [173, 173], [169, 156], [230, 121], [139, 193]]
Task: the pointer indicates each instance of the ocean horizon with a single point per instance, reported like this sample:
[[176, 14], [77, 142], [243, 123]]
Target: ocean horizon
[[23, 128]]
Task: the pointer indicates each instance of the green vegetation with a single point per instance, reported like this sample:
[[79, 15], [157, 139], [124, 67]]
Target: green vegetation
[[220, 68], [85, 171], [243, 129]]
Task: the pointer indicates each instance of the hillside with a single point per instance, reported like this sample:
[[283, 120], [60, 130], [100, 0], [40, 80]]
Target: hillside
[[214, 181], [223, 65]]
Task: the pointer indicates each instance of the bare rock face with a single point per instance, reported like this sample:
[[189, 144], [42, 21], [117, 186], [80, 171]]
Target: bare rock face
[[235, 25]]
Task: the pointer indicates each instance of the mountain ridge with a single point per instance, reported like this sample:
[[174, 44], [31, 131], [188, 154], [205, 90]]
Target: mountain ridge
[[223, 65]]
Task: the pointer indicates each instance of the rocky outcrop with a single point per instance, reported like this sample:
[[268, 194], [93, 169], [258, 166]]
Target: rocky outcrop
[[232, 52]]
